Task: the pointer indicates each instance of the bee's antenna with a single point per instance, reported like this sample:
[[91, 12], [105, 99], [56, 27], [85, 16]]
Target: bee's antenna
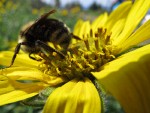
[[75, 37]]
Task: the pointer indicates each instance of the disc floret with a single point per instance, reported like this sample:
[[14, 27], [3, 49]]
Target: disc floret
[[84, 56]]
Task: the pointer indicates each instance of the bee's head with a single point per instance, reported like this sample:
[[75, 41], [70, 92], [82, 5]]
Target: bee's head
[[29, 45], [28, 37]]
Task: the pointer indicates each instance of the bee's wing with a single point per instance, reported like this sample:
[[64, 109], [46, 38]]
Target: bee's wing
[[44, 16]]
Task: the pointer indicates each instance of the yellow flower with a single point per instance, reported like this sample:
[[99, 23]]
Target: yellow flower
[[98, 54], [35, 11], [64, 12], [80, 93], [75, 10], [127, 75]]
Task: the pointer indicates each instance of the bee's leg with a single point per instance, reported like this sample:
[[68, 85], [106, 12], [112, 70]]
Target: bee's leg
[[34, 58], [47, 49], [16, 52]]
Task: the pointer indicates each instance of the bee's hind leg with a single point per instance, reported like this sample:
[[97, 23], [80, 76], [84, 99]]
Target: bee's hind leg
[[45, 49]]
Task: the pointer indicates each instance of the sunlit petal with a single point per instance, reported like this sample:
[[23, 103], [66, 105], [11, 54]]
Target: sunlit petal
[[99, 21], [117, 29], [84, 28], [127, 78], [21, 60], [120, 13], [136, 14], [75, 96], [139, 36], [77, 27], [28, 73], [23, 73], [12, 91]]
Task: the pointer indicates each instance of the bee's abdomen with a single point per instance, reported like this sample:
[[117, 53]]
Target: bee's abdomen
[[56, 32]]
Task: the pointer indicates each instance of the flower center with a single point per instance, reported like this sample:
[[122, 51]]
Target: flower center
[[82, 57]]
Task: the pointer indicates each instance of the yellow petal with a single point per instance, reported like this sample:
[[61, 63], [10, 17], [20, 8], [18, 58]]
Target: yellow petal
[[77, 27], [28, 73], [83, 28], [22, 73], [139, 36], [135, 15], [99, 21], [117, 28], [21, 59], [127, 78], [12, 91], [5, 86], [119, 13], [75, 96]]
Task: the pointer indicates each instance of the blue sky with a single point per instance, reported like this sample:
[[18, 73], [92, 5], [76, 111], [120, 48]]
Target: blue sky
[[84, 3]]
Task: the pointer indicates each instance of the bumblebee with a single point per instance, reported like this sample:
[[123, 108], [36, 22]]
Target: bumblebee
[[35, 37]]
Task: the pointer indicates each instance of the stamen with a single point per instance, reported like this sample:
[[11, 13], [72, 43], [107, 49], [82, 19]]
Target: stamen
[[105, 30], [102, 33], [107, 41], [54, 54], [86, 56], [78, 65], [101, 36], [58, 71], [100, 30], [91, 33], [86, 43], [113, 56], [46, 71], [96, 35], [91, 66], [96, 55], [56, 46], [96, 44]]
